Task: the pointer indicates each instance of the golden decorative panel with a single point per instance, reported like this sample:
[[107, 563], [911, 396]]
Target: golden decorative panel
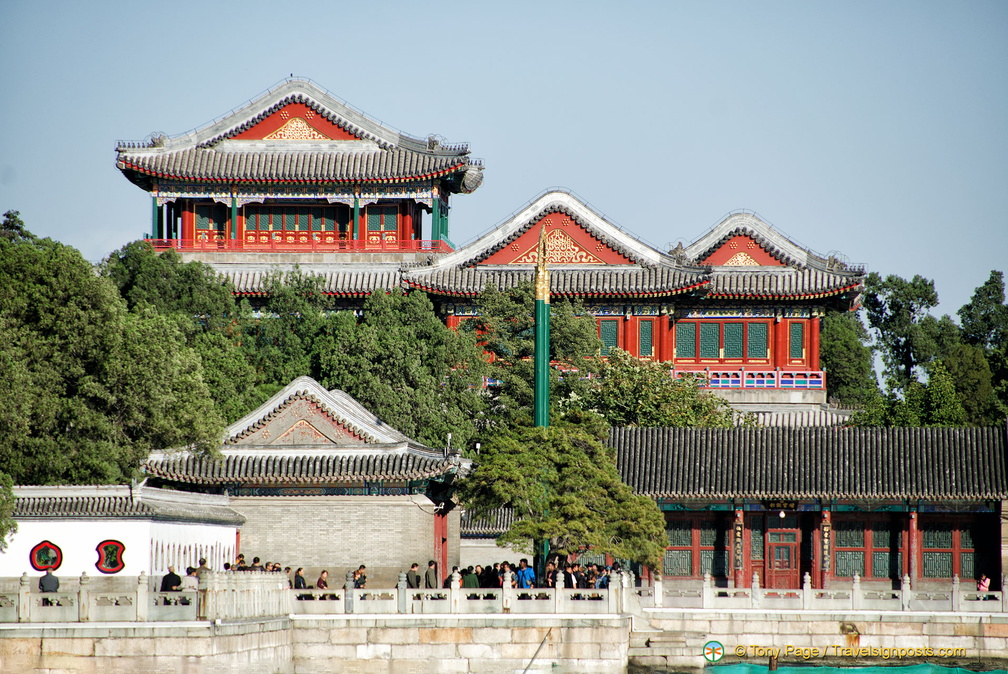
[[560, 249], [741, 260], [296, 129]]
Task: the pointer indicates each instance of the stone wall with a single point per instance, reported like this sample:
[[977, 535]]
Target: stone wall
[[260, 646], [339, 533], [674, 639], [484, 644]]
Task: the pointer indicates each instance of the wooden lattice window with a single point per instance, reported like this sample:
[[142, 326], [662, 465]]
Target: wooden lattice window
[[646, 338], [869, 547], [609, 334], [382, 218], [686, 340], [796, 343], [697, 545], [949, 547], [733, 340], [757, 341]]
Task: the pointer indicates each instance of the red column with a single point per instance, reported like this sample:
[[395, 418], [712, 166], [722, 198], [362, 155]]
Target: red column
[[813, 359], [738, 549], [780, 343], [913, 541], [441, 543], [188, 221], [826, 547]]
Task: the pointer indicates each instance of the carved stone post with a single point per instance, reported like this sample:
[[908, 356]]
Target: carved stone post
[[558, 592], [348, 592], [614, 592], [757, 592], [658, 591], [905, 592], [24, 599], [707, 592], [856, 596], [403, 594], [142, 600], [956, 593], [507, 592], [84, 599], [454, 592], [806, 591]]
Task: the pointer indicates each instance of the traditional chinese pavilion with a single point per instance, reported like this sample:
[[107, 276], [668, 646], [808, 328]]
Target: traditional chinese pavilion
[[297, 171], [299, 177], [324, 483]]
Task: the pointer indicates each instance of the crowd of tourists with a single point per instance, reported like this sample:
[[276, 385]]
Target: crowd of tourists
[[557, 572]]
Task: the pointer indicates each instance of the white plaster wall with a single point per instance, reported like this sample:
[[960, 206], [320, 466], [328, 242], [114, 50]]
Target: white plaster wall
[[78, 539]]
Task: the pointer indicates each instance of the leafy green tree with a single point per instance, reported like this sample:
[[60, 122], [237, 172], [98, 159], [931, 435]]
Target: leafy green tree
[[7, 503], [969, 369], [908, 337], [12, 228], [935, 403], [633, 392], [985, 317], [563, 486], [505, 329], [846, 357], [211, 321], [89, 387], [163, 281], [402, 363]]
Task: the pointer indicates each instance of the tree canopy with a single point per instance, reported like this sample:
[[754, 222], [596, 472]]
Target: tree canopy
[[563, 486], [91, 387]]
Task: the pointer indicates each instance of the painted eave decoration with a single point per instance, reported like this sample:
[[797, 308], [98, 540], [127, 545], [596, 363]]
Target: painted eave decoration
[[297, 133]]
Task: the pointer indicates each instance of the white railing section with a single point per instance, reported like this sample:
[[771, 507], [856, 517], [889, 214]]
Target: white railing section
[[852, 598], [221, 596], [250, 595]]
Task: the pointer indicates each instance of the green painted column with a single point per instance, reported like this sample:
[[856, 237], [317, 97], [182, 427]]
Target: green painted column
[[234, 217], [356, 218], [542, 337], [155, 212], [435, 234]]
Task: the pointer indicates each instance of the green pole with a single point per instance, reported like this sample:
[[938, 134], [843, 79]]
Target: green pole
[[234, 217], [542, 337]]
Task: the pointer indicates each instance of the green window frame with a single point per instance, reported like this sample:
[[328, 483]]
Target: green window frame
[[211, 217], [733, 340], [796, 346], [646, 338], [710, 340], [686, 340], [757, 341], [609, 334], [382, 218]]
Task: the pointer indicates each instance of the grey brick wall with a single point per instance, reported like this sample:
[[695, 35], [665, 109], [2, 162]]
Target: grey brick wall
[[338, 533]]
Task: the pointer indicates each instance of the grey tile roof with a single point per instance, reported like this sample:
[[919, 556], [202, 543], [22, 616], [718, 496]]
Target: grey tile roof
[[593, 281], [556, 202], [934, 464], [249, 162], [336, 404], [779, 283], [287, 467], [116, 501], [212, 154], [777, 244], [347, 282], [801, 418], [489, 526]]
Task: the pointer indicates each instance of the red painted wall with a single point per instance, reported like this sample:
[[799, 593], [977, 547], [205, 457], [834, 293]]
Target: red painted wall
[[742, 244], [292, 110], [595, 251]]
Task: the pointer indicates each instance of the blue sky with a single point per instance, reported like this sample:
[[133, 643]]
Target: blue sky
[[876, 129]]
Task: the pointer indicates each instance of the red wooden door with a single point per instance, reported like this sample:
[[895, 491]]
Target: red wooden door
[[782, 560]]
